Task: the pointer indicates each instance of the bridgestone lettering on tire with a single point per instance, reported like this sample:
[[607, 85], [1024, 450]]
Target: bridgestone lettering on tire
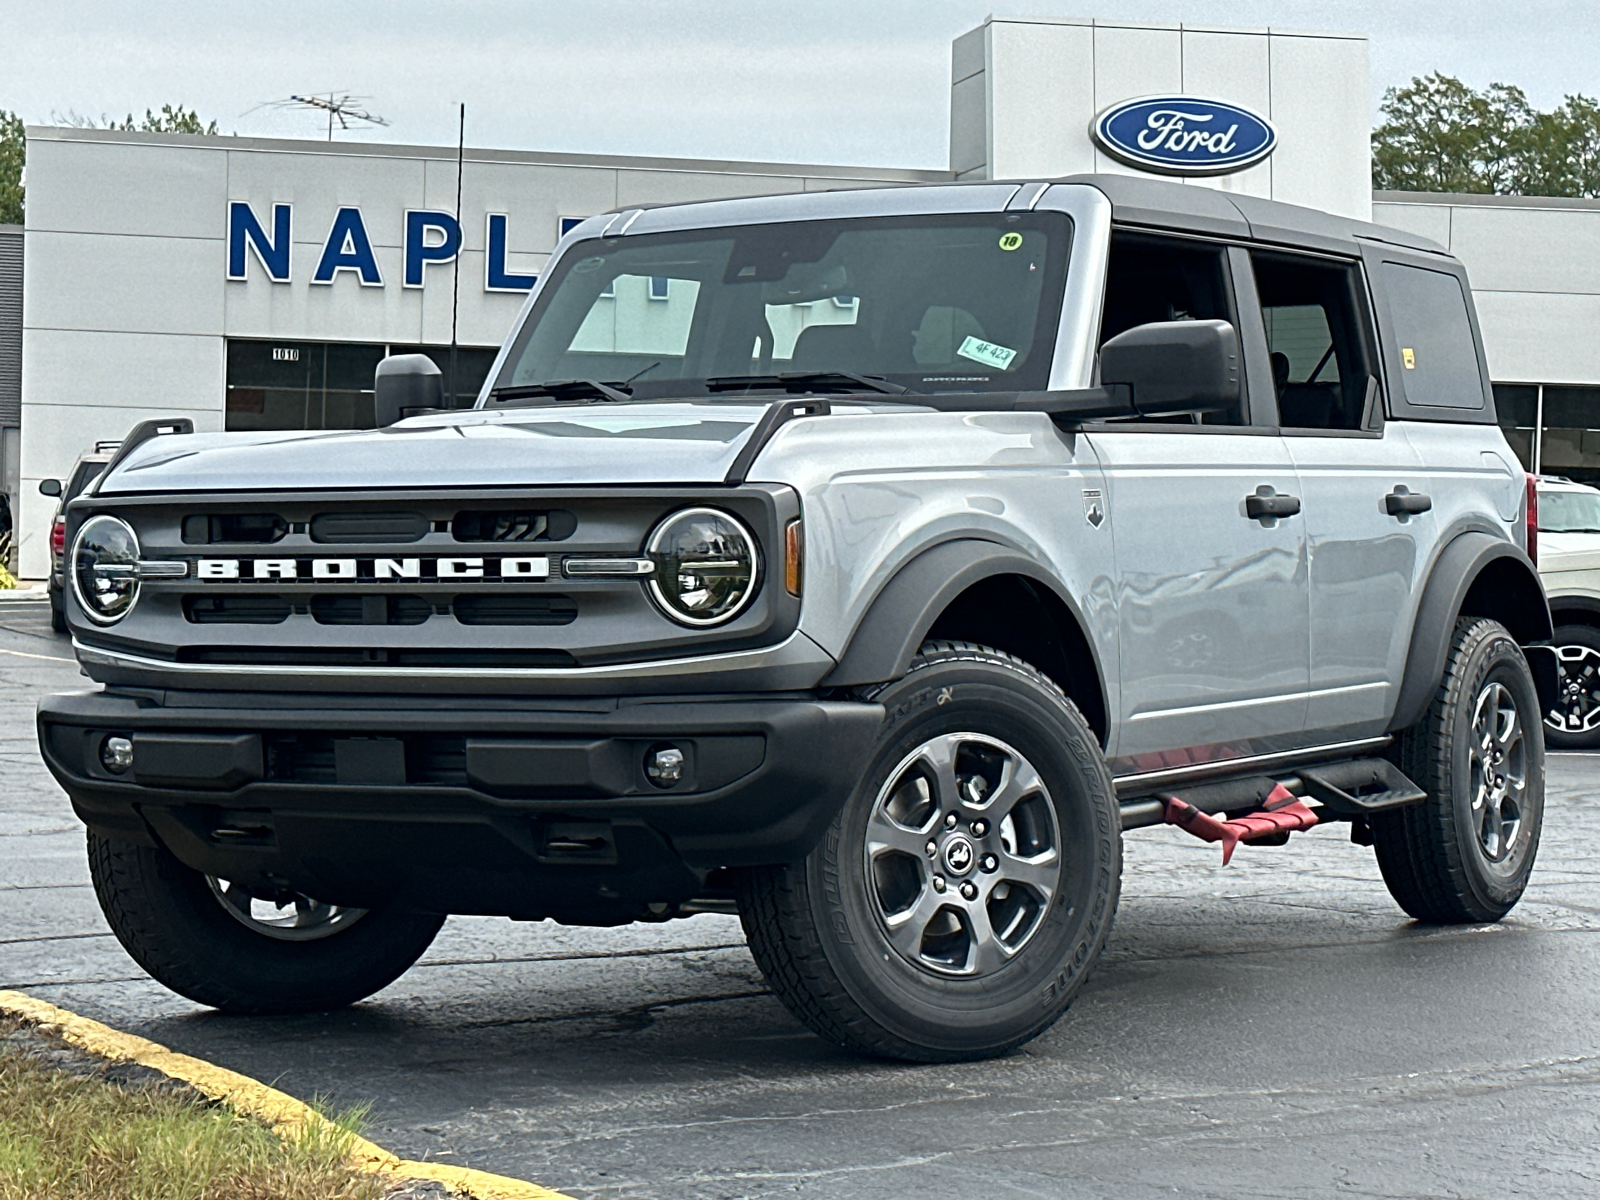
[[174, 924], [962, 895], [1465, 854]]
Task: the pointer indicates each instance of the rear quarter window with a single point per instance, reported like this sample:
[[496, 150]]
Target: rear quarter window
[[1432, 331]]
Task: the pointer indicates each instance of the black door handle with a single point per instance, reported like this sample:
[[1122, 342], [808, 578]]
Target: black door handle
[[1400, 503], [1258, 506]]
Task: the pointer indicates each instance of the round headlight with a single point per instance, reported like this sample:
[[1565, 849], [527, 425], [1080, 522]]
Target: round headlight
[[707, 566], [105, 566]]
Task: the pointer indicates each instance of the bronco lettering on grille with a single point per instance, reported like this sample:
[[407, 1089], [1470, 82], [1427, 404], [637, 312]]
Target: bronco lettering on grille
[[374, 570]]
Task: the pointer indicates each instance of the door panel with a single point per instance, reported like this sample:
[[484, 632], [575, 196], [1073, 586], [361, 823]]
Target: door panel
[[1212, 611], [1366, 570]]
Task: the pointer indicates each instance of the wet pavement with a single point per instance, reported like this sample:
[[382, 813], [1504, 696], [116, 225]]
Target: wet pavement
[[1275, 1028]]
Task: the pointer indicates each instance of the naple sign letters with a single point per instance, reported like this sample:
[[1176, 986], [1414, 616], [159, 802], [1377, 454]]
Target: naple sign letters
[[432, 237], [1183, 135]]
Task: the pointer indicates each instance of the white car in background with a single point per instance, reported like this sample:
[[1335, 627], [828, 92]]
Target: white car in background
[[1569, 564]]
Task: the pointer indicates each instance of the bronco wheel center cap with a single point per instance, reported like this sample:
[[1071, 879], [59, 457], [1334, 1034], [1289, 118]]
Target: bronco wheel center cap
[[959, 855]]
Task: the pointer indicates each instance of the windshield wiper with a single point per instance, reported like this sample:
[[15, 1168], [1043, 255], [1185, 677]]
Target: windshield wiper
[[806, 381], [565, 389]]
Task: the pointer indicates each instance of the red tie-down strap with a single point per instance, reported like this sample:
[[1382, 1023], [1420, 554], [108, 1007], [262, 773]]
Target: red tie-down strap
[[1283, 812]]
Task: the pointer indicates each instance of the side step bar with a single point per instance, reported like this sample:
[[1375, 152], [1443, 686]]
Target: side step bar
[[1344, 790]]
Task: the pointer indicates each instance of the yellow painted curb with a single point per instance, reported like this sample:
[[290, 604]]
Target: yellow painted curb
[[282, 1113]]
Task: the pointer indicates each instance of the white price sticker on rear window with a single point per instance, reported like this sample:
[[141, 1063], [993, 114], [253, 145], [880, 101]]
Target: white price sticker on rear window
[[988, 353]]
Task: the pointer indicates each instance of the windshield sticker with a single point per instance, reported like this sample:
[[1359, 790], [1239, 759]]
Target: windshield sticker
[[989, 354], [1010, 241]]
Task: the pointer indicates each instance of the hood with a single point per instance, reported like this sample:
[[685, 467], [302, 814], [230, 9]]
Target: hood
[[518, 447], [1569, 551]]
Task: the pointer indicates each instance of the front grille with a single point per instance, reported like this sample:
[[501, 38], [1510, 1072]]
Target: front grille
[[366, 609], [512, 525], [342, 656], [237, 610], [251, 529], [377, 608], [377, 529], [515, 610]]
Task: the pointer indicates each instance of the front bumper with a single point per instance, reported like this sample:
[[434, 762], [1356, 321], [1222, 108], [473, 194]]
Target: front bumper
[[526, 807]]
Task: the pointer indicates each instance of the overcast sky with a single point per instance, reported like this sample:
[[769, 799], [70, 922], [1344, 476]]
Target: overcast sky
[[825, 81]]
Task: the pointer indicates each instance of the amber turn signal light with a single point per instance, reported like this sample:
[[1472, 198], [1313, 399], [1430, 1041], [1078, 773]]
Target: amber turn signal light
[[794, 553]]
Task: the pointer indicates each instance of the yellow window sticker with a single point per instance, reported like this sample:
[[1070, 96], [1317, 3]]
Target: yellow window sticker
[[1409, 357], [1010, 241], [987, 353]]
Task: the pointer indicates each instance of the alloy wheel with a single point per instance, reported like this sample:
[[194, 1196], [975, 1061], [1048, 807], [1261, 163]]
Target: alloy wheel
[[1499, 771], [963, 854], [286, 916]]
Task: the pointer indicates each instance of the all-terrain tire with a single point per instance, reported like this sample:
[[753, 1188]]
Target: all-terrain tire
[[818, 928], [1579, 648], [173, 925], [1440, 858]]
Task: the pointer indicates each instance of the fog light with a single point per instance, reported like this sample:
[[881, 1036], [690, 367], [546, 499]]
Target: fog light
[[116, 754], [664, 766]]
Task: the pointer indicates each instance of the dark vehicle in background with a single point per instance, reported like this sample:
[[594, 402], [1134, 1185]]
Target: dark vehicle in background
[[84, 471]]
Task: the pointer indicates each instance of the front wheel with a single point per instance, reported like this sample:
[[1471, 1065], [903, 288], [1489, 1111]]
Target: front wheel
[[1465, 853], [960, 898], [221, 945]]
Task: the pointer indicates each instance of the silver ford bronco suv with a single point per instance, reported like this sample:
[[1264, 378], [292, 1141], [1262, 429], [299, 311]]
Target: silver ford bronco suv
[[864, 563]]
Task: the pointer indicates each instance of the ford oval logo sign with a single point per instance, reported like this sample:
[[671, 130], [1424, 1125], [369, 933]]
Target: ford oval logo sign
[[1184, 135]]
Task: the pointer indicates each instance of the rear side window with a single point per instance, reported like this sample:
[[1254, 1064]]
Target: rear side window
[[82, 478], [1316, 339], [1433, 337]]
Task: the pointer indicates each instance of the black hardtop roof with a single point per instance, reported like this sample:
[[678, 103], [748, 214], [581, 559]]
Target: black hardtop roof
[[1160, 204]]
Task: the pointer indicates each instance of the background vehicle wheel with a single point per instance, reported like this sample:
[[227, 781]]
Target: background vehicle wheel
[[1575, 725], [58, 618], [1465, 853], [960, 898], [213, 942]]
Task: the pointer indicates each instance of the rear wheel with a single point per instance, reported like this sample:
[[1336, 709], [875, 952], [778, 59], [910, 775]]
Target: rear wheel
[[1465, 853], [1574, 724], [220, 944], [960, 898]]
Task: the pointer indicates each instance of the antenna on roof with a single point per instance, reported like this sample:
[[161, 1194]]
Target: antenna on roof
[[340, 106]]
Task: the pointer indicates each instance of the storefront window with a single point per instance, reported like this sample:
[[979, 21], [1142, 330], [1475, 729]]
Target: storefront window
[[328, 385], [1554, 430]]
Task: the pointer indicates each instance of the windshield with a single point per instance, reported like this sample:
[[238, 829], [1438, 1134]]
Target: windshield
[[1569, 512], [930, 303]]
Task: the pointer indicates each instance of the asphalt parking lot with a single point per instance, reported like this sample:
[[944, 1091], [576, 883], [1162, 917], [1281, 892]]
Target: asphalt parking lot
[[1275, 1028]]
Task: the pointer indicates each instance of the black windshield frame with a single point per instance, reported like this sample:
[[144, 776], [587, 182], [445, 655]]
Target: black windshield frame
[[1029, 370]]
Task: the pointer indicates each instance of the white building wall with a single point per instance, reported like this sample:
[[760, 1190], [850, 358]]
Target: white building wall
[[1025, 90], [127, 308], [1534, 263]]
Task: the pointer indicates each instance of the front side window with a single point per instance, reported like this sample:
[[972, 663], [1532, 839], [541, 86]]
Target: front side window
[[933, 303]]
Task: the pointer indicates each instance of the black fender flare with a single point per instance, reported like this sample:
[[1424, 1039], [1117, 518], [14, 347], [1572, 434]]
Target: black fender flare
[[897, 621], [1522, 609]]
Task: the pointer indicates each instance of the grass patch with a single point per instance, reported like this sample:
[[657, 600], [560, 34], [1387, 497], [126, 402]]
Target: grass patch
[[66, 1136]]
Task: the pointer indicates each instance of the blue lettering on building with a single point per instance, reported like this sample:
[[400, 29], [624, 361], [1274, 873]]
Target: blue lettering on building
[[348, 248], [271, 252], [1184, 135], [496, 277], [419, 251]]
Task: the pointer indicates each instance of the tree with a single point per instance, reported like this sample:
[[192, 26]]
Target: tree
[[169, 120], [1439, 135], [13, 145]]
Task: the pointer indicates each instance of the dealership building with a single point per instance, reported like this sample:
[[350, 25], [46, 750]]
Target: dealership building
[[252, 284]]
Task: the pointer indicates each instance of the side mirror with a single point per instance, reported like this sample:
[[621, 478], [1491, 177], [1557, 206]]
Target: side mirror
[[49, 487], [404, 385], [1175, 366]]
